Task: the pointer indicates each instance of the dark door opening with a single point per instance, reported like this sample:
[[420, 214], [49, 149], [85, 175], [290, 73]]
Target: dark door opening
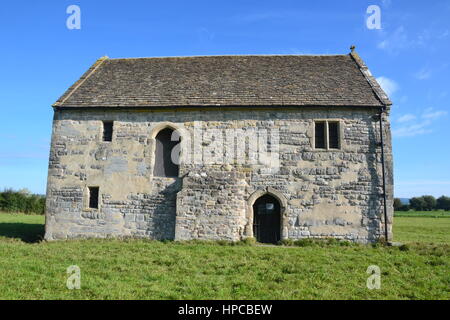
[[267, 219], [164, 162]]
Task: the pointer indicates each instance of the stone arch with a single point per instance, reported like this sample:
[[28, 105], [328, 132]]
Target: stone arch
[[249, 210], [184, 137], [163, 125]]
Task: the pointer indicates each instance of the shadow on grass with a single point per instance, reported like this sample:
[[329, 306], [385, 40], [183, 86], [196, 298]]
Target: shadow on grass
[[24, 231]]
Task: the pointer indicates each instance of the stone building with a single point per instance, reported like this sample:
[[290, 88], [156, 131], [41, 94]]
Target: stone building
[[222, 147]]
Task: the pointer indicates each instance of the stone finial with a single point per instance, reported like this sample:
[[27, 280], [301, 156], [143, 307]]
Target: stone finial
[[352, 48]]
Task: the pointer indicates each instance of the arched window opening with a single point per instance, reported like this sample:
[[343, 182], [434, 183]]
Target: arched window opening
[[267, 219], [166, 165]]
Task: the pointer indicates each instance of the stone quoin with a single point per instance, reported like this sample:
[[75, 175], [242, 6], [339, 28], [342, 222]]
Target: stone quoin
[[117, 168]]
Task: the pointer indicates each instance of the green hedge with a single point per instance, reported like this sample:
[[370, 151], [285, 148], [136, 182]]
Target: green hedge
[[423, 203], [21, 201]]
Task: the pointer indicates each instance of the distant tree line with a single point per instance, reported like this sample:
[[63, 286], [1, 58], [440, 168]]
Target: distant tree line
[[423, 203], [21, 201]]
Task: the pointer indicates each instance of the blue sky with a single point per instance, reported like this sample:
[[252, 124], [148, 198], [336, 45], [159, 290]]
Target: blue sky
[[410, 55]]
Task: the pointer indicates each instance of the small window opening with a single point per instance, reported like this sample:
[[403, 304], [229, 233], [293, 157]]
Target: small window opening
[[107, 130], [333, 135], [327, 135], [320, 135], [93, 197]]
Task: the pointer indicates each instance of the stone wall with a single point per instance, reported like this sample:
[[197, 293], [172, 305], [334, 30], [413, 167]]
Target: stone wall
[[212, 205], [334, 193]]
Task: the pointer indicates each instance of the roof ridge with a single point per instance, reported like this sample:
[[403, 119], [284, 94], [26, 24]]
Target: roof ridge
[[234, 55], [80, 81]]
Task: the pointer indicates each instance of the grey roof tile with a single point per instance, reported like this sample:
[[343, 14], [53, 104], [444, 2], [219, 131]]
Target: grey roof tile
[[277, 80]]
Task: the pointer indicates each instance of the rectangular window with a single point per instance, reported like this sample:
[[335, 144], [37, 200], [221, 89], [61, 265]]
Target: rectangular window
[[327, 135], [333, 135], [320, 135], [107, 130], [93, 197]]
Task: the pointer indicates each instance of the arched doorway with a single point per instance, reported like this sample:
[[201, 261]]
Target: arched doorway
[[164, 162], [267, 219]]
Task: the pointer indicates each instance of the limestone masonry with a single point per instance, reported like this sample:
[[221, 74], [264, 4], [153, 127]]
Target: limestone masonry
[[319, 119]]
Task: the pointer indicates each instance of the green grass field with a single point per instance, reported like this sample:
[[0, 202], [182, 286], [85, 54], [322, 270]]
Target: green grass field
[[424, 214], [422, 229], [139, 269]]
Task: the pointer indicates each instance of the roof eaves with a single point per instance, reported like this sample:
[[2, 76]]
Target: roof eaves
[[209, 106]]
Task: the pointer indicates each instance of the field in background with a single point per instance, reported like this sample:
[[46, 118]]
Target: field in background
[[139, 269], [422, 229], [424, 214], [27, 228]]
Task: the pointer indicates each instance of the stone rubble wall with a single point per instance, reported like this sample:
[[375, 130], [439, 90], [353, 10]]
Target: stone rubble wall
[[334, 193], [212, 205]]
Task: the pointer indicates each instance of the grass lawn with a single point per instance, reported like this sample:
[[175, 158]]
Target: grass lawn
[[139, 269]]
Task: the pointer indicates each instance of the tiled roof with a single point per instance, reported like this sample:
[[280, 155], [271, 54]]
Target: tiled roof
[[273, 80]]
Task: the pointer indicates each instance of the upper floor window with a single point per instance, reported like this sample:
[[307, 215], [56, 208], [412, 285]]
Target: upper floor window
[[326, 135], [319, 133], [166, 157], [333, 135], [108, 130]]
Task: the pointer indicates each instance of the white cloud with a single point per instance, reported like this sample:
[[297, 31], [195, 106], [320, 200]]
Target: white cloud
[[443, 94], [395, 41], [434, 114], [406, 118], [386, 3], [423, 74], [412, 130], [444, 34], [388, 85], [419, 127], [399, 39]]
